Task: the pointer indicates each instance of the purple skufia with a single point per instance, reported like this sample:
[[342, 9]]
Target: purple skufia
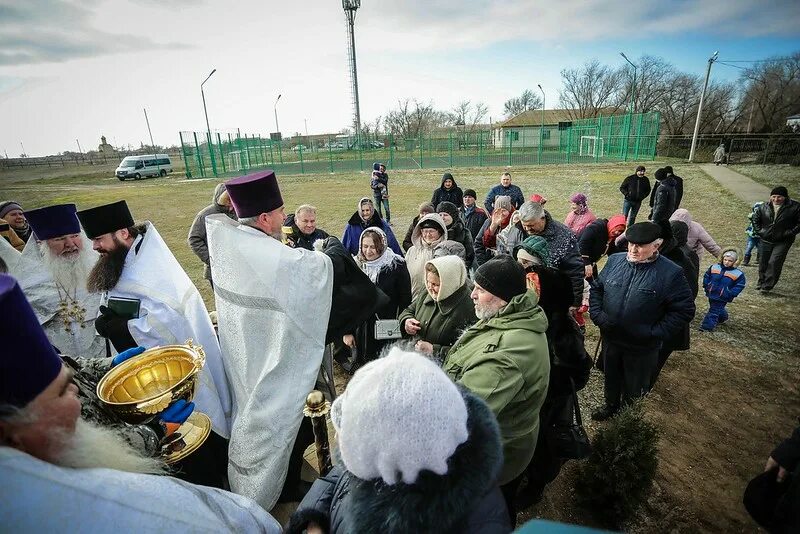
[[28, 362], [254, 194], [54, 221]]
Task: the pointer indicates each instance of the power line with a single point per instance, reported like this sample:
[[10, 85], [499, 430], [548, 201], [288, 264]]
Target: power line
[[776, 59]]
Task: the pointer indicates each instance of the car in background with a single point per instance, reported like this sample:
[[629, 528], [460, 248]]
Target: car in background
[[297, 148], [138, 167]]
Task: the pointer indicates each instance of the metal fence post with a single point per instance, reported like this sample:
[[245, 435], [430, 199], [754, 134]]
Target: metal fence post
[[421, 140], [569, 144], [638, 136], [302, 165], [221, 155], [280, 151], [450, 147], [480, 149], [510, 142], [330, 154], [766, 151], [211, 153], [197, 153], [185, 157], [392, 148]]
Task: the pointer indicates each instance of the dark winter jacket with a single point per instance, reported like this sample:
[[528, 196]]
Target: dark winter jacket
[[355, 298], [780, 229], [639, 305], [635, 189], [473, 220], [300, 239], [442, 321], [723, 283], [457, 232], [594, 243], [661, 175], [356, 225], [664, 200], [464, 500], [395, 283], [562, 246], [671, 249], [513, 191], [197, 233], [680, 233], [454, 194], [407, 243]]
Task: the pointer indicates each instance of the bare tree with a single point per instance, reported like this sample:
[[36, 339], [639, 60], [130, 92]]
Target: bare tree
[[772, 91], [653, 78], [468, 115], [526, 101], [678, 105], [412, 118], [591, 90]]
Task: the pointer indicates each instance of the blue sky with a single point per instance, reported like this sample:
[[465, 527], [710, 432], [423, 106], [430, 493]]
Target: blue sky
[[73, 69]]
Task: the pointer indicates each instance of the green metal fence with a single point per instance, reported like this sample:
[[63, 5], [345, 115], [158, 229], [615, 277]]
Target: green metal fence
[[613, 138]]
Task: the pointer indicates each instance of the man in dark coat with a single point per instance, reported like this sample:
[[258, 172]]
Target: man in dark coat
[[598, 239], [504, 188], [777, 223], [674, 235], [303, 223], [678, 185], [634, 189], [639, 300], [198, 242], [473, 216], [664, 197], [448, 192]]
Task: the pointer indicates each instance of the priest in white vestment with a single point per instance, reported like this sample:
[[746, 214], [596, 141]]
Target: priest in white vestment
[[273, 305], [148, 300], [52, 271], [61, 473]]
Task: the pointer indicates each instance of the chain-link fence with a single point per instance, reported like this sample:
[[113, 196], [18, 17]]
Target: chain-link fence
[[614, 138], [759, 149]]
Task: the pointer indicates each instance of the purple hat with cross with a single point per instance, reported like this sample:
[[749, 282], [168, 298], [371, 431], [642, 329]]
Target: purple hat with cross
[[28, 362], [54, 221]]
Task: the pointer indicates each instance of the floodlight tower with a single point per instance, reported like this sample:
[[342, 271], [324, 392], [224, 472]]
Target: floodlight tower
[[350, 7]]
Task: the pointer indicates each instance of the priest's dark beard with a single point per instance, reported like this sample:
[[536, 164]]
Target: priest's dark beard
[[108, 269]]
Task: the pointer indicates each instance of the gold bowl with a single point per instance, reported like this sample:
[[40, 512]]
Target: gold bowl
[[141, 387]]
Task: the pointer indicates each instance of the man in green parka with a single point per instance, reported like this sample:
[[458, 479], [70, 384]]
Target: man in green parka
[[503, 358]]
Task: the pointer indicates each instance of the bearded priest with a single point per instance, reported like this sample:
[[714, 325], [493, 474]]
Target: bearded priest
[[52, 271], [148, 300]]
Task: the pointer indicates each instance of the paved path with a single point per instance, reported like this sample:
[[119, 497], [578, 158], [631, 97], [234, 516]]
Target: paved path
[[742, 186]]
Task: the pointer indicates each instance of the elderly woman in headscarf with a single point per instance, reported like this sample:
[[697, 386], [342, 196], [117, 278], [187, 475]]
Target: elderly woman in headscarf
[[579, 216], [388, 271], [437, 317], [568, 360], [429, 232]]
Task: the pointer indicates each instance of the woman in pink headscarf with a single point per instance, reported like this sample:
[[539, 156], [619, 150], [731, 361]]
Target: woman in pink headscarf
[[579, 215]]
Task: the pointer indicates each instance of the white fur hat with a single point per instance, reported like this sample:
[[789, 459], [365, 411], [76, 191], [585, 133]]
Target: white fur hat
[[399, 415]]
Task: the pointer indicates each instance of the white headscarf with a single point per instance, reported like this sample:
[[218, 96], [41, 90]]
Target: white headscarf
[[373, 268]]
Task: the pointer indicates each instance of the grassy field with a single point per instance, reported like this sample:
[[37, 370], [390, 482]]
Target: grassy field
[[720, 406], [773, 175]]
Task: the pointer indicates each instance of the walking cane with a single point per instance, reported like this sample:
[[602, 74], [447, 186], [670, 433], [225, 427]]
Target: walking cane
[[317, 408]]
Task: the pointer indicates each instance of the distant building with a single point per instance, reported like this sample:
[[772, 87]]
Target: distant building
[[104, 147], [523, 130]]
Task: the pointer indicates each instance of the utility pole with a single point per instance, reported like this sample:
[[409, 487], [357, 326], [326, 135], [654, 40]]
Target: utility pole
[[80, 150], [208, 126], [275, 109], [631, 109], [24, 154], [711, 61], [306, 123], [152, 144]]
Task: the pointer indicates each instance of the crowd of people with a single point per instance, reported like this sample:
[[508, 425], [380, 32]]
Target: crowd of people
[[465, 343]]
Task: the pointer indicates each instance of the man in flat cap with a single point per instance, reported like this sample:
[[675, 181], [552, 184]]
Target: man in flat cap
[[53, 271], [639, 299], [61, 472], [273, 303], [777, 223], [148, 300]]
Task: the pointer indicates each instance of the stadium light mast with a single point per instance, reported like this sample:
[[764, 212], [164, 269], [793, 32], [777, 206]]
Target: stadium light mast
[[275, 109], [541, 128], [350, 8], [633, 87], [711, 61]]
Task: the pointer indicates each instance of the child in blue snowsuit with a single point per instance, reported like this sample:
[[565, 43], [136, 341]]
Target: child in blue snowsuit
[[752, 237], [380, 189], [722, 283]]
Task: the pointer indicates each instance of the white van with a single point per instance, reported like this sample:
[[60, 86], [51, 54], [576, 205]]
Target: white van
[[137, 167]]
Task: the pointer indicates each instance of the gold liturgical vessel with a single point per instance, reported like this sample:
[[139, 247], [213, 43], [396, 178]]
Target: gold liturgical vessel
[[143, 386]]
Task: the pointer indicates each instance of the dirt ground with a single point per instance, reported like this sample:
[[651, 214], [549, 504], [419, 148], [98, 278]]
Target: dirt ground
[[720, 407]]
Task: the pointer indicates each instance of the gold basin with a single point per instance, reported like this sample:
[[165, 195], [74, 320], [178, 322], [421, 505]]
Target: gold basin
[[139, 388]]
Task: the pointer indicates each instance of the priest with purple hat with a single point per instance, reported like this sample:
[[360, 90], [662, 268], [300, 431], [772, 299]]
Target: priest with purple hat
[[53, 270], [61, 472], [273, 305], [148, 300]]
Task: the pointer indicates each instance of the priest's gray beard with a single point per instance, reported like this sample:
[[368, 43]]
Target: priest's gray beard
[[93, 445], [72, 271], [108, 269]]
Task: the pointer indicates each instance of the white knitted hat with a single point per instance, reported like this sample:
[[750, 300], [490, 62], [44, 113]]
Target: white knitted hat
[[399, 415]]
